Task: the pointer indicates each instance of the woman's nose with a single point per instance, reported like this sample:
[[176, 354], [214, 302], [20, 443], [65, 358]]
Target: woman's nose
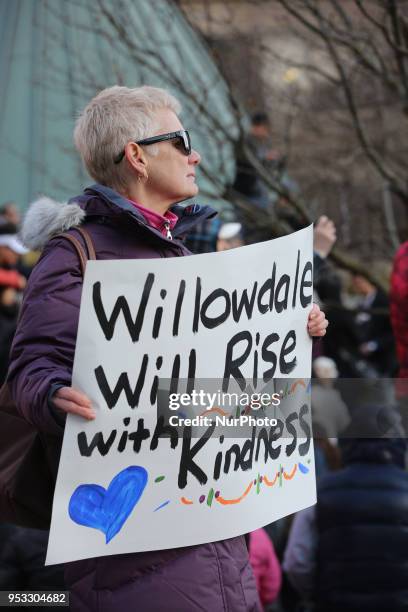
[[194, 157]]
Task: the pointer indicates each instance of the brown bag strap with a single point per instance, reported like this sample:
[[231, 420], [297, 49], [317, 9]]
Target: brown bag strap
[[79, 249], [82, 255], [88, 241]]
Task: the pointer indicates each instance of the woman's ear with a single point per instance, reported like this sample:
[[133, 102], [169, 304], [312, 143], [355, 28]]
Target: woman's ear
[[136, 158]]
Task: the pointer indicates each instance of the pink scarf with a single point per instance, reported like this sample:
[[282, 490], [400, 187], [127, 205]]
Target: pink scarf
[[156, 220]]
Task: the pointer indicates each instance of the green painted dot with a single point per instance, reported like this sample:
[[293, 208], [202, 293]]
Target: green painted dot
[[159, 478], [210, 497]]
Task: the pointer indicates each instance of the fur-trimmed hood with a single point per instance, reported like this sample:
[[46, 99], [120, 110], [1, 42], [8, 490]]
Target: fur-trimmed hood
[[46, 218]]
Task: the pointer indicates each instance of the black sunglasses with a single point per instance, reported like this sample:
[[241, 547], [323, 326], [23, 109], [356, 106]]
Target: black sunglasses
[[181, 138]]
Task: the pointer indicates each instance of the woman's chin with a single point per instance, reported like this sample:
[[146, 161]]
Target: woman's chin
[[188, 193], [192, 191]]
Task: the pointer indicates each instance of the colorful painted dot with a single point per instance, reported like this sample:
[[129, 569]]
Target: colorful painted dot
[[261, 478], [159, 478], [210, 497], [201, 499], [255, 481], [217, 494]]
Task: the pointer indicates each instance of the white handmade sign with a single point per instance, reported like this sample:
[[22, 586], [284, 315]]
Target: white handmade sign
[[125, 487]]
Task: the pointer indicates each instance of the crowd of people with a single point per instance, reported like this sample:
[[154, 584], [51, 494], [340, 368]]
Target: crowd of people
[[346, 553]]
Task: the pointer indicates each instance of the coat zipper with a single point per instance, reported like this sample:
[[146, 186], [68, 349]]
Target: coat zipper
[[168, 232]]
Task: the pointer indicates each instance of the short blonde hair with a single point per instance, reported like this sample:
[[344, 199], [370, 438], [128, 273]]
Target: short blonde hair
[[114, 117]]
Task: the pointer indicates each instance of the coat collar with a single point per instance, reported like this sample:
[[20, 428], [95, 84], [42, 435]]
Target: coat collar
[[45, 217], [188, 216]]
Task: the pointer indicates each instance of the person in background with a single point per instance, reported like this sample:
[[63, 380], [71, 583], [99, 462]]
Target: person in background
[[266, 567], [399, 321], [342, 339], [350, 551], [9, 309], [11, 249], [373, 326], [12, 283], [203, 236], [10, 213], [329, 411], [324, 239], [229, 236], [259, 140]]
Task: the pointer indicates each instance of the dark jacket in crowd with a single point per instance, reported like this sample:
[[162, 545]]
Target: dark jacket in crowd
[[341, 339], [362, 528], [22, 558], [215, 576], [375, 326]]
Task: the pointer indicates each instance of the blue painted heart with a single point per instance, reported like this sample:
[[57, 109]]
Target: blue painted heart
[[108, 509]]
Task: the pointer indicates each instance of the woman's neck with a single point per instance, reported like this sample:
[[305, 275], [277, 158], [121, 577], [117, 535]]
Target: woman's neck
[[139, 194]]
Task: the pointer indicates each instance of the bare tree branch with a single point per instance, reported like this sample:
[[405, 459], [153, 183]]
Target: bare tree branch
[[396, 184]]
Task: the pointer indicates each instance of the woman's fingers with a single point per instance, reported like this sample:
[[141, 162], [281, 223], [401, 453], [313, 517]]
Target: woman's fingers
[[318, 330], [73, 408], [317, 322], [71, 394], [72, 401]]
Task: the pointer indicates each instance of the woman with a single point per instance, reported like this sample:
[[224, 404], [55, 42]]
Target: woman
[[134, 146]]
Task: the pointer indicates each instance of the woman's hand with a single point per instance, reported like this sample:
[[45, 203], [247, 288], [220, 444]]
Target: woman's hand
[[317, 322], [72, 401]]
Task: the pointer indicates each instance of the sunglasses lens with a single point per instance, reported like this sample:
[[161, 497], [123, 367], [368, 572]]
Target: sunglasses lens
[[183, 143], [187, 143]]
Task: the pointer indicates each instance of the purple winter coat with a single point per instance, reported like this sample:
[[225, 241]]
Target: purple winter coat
[[215, 576]]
